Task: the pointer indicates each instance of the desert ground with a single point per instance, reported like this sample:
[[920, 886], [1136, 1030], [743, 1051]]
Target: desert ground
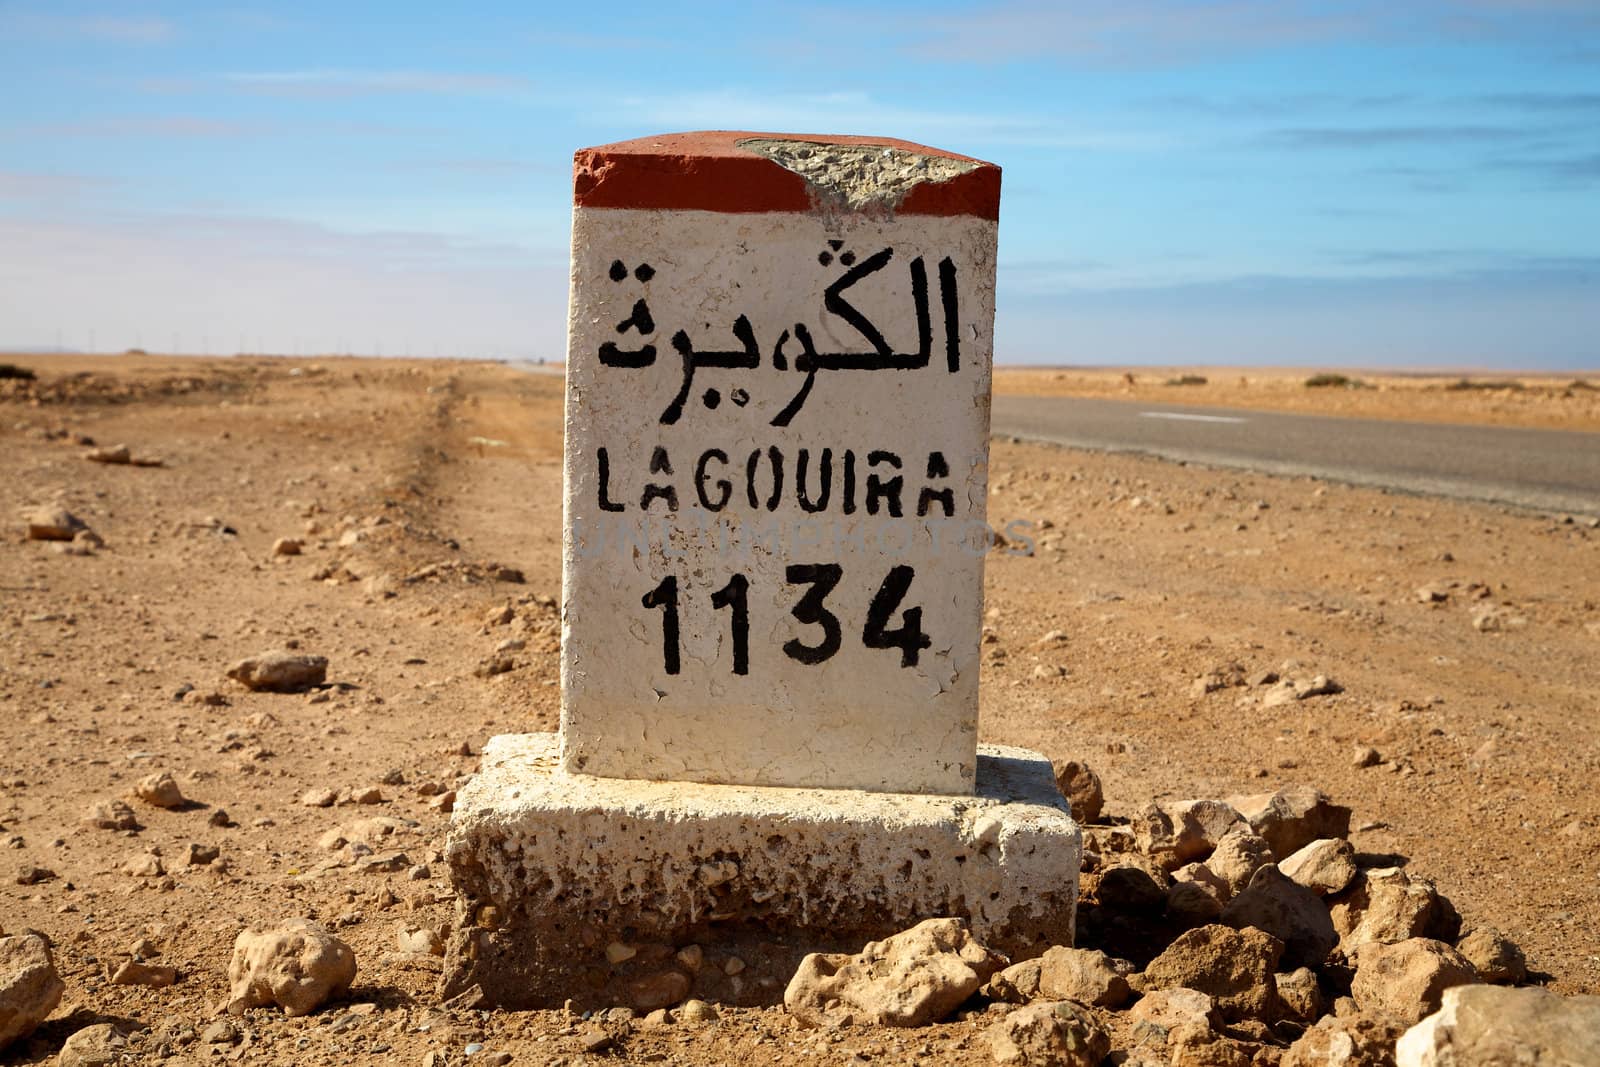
[[1463, 640]]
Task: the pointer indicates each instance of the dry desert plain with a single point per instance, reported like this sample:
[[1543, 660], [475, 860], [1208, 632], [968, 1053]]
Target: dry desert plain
[[422, 490]]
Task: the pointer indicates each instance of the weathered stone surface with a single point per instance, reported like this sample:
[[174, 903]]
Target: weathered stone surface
[[1482, 1026], [52, 522], [1293, 817], [695, 1013], [30, 988], [137, 972], [1129, 889], [1325, 866], [661, 990], [110, 815], [1175, 832], [1388, 904], [298, 966], [1085, 975], [1061, 1034], [1494, 956], [97, 1045], [1194, 903], [1081, 786], [1406, 980], [1301, 995], [1233, 967], [911, 979], [1016, 984], [690, 460], [1238, 856], [280, 672], [566, 864], [1160, 1011], [160, 790], [1344, 1041], [1291, 913]]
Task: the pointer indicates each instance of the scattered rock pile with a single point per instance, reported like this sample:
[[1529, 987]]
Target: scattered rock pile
[[1229, 932]]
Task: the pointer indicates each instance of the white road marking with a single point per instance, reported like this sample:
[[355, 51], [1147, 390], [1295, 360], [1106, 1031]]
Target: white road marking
[[1183, 417]]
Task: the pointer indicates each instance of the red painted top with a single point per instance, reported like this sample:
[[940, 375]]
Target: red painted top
[[708, 171]]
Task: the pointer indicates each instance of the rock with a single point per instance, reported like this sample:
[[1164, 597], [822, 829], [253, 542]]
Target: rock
[[287, 546], [1130, 890], [30, 988], [198, 855], [1301, 995], [1326, 866], [594, 1041], [110, 815], [220, 1032], [1194, 903], [422, 939], [119, 455], [1161, 1011], [1291, 913], [1233, 967], [1343, 1041], [144, 865], [661, 990], [695, 1012], [153, 975], [1386, 905], [1049, 1035], [280, 672], [298, 966], [911, 979], [1175, 832], [1494, 956], [318, 798], [160, 790], [1319, 686], [100, 1045], [1481, 1026], [30, 874], [1016, 984], [1407, 980], [1238, 856], [1363, 756], [53, 523], [1200, 1046], [1081, 786], [1085, 975], [1494, 618], [1293, 817]]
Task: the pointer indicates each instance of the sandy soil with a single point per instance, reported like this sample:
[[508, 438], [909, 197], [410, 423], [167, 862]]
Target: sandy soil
[[418, 487], [1551, 401]]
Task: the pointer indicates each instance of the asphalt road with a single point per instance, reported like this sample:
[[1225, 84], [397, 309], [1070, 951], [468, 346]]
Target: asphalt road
[[1549, 470]]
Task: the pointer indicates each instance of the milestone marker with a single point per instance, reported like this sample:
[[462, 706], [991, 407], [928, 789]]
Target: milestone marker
[[776, 461]]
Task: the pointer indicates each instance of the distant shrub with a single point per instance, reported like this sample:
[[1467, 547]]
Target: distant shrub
[[11, 370], [1187, 379], [136, 352], [1462, 385], [1335, 381], [1583, 385]]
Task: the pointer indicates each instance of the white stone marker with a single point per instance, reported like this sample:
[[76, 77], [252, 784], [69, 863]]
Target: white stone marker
[[776, 457], [777, 442]]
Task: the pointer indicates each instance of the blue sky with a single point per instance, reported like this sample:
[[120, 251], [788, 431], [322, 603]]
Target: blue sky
[[1363, 184]]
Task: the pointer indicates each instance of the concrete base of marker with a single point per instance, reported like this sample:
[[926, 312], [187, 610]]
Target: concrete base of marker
[[593, 890]]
